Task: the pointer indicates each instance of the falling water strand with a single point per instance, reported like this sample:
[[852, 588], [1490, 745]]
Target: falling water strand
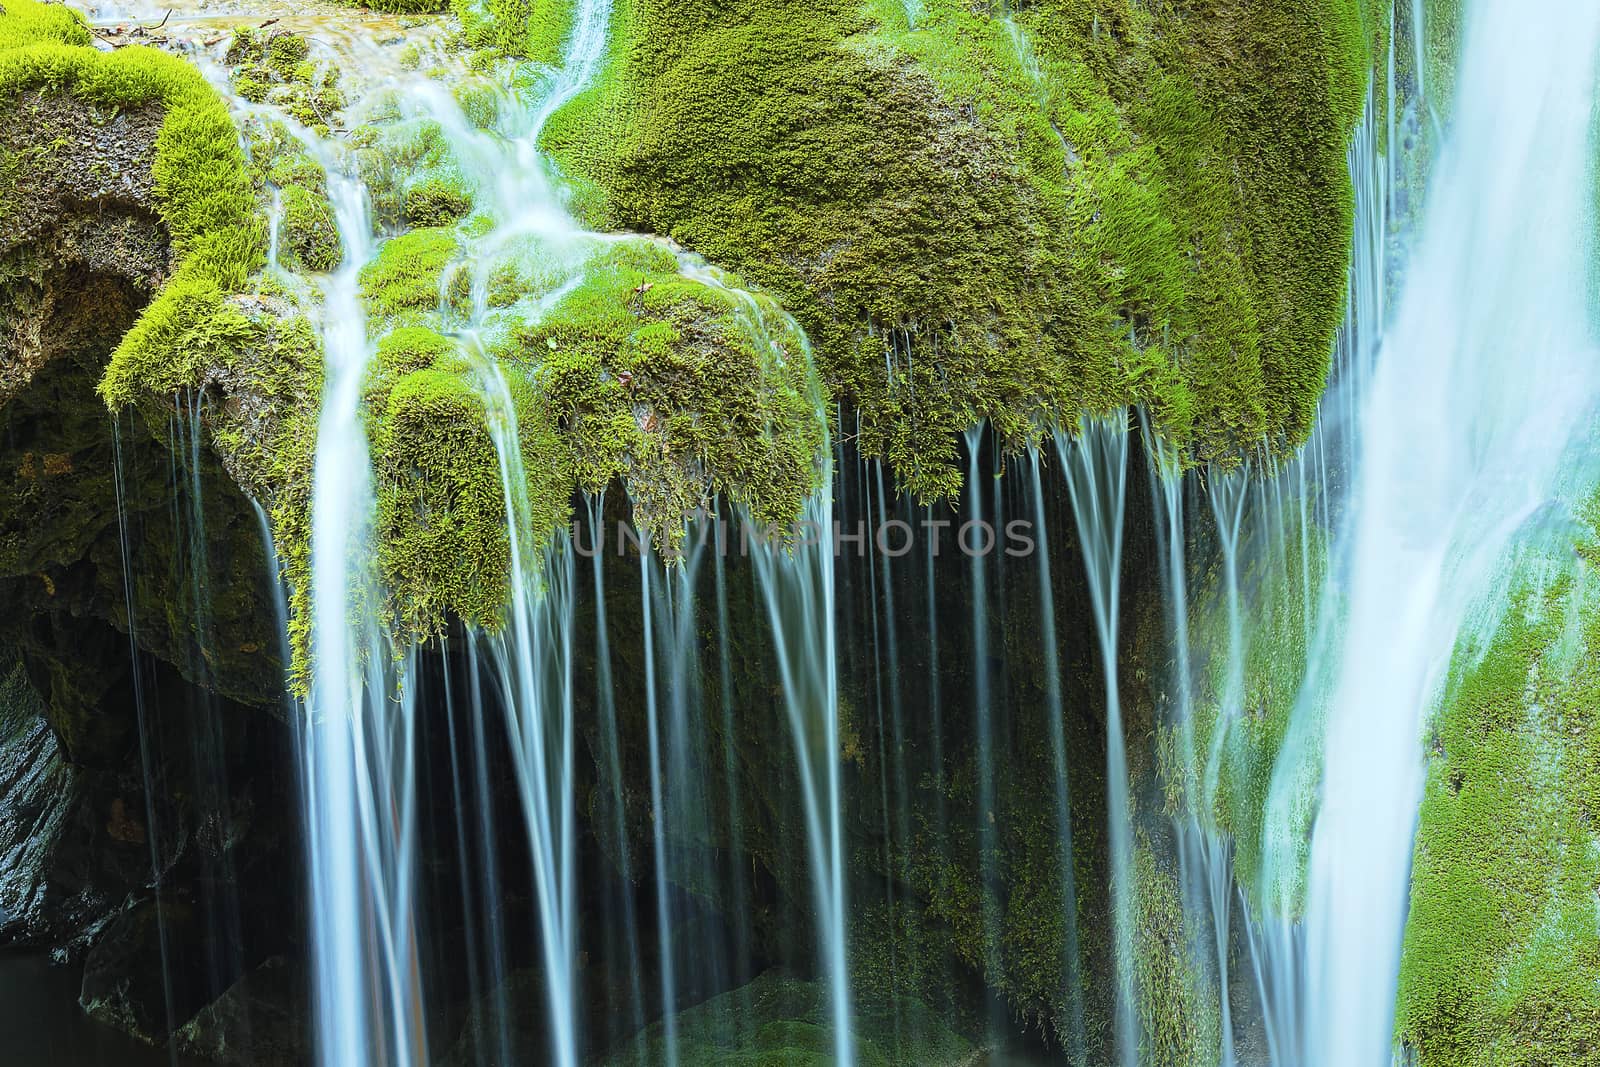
[[798, 587], [1075, 1041], [1096, 470]]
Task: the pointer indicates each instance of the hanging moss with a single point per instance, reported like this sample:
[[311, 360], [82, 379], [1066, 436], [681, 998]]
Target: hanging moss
[[1109, 206], [441, 497], [677, 387]]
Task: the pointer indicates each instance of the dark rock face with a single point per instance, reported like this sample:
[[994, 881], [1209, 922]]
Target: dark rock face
[[260, 1022], [147, 793]]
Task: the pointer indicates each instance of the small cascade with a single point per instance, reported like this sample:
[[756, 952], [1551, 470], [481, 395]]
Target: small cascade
[[1095, 465], [533, 659], [798, 588], [1076, 1041]]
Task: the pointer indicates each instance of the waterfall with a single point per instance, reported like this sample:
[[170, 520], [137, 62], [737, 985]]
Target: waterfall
[[359, 743], [1076, 1042], [1482, 381], [798, 588], [1096, 469]]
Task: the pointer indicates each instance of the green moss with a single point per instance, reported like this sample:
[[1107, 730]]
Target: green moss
[[441, 498], [782, 1020], [250, 88], [200, 186], [1180, 1021], [436, 201], [1243, 712], [407, 272], [402, 7], [527, 29], [309, 229], [285, 52], [1113, 206], [1502, 943], [479, 102], [411, 348], [675, 386]]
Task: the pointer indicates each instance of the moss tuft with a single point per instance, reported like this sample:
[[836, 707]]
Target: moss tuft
[[309, 229], [436, 201], [407, 273]]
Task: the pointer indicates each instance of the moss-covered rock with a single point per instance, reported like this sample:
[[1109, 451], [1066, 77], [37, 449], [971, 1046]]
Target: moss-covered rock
[[1503, 942], [436, 201], [309, 230], [1079, 206], [408, 272]]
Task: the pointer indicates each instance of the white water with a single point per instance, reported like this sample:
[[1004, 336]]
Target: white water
[[1096, 470], [799, 592], [1486, 374], [358, 746]]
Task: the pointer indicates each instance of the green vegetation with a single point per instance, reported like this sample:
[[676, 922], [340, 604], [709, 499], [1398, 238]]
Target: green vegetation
[[777, 1019], [1086, 206], [436, 201], [441, 497], [408, 272], [200, 187], [675, 385], [275, 67], [1503, 941], [526, 29], [309, 229], [1243, 712]]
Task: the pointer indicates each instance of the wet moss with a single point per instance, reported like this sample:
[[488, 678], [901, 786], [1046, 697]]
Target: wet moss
[[408, 272], [779, 1019], [678, 386], [309, 230], [442, 500], [1502, 942], [1112, 206], [436, 201]]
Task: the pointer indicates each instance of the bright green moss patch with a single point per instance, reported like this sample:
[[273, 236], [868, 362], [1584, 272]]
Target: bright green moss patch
[[1502, 945], [526, 29], [441, 497], [309, 229], [402, 7], [200, 187], [436, 201], [1077, 208], [676, 385], [274, 67], [407, 273], [479, 102]]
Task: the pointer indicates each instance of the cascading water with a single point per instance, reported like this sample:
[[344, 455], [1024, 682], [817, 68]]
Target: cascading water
[[1096, 469], [1482, 381], [358, 743]]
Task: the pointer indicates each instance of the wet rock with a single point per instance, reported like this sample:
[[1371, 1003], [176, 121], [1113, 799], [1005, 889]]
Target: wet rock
[[782, 1019], [262, 1021]]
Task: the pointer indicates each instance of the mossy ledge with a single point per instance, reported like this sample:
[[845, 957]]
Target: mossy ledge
[[1077, 206]]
